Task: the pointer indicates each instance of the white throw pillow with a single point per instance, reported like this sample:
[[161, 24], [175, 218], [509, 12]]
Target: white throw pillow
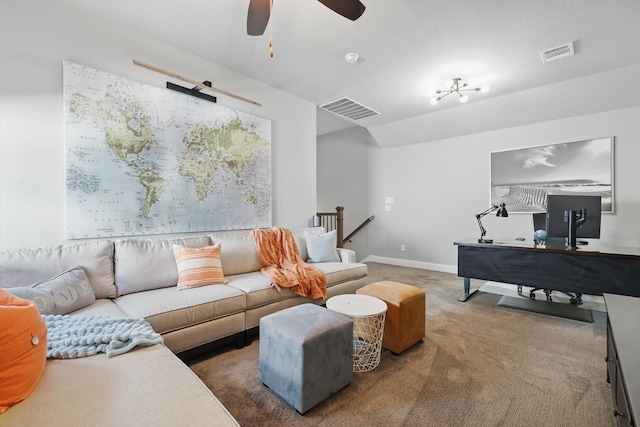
[[322, 248]]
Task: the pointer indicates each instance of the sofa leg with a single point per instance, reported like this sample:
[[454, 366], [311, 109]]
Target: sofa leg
[[251, 334], [240, 341]]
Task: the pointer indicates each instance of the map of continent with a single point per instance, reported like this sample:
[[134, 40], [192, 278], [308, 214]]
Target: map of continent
[[147, 160]]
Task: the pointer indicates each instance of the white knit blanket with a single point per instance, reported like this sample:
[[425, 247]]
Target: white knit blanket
[[70, 337]]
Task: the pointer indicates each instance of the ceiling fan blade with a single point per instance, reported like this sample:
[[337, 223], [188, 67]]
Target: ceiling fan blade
[[258, 16], [350, 9]]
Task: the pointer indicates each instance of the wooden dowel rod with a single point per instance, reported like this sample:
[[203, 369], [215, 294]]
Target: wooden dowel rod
[[193, 82]]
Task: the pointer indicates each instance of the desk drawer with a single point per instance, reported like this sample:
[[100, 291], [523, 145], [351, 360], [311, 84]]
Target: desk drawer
[[621, 410], [612, 363]]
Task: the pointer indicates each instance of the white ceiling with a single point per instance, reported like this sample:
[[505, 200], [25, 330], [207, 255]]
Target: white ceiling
[[406, 47]]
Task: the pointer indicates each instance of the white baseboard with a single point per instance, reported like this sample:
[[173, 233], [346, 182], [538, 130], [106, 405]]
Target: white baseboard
[[412, 264]]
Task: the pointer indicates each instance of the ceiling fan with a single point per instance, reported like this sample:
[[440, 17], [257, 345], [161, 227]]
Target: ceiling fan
[[260, 10]]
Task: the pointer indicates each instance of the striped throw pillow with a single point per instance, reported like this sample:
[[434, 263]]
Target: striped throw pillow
[[198, 266]]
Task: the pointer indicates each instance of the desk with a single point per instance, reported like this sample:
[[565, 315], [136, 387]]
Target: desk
[[594, 269]]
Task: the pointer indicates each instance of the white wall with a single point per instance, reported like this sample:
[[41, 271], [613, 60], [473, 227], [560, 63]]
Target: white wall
[[439, 186], [345, 173], [35, 36]]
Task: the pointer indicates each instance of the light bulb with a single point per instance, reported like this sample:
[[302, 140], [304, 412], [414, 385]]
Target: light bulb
[[434, 101], [484, 89], [464, 98], [351, 57]]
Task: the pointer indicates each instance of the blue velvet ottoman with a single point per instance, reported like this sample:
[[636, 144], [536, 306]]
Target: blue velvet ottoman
[[306, 354]]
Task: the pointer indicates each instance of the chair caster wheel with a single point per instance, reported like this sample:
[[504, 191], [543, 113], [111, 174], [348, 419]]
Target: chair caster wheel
[[573, 301], [532, 296]]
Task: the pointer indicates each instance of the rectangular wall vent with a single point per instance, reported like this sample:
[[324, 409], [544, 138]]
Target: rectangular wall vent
[[558, 52], [349, 108]]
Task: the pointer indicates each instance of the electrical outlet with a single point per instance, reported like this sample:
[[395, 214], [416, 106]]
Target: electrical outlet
[[403, 247]]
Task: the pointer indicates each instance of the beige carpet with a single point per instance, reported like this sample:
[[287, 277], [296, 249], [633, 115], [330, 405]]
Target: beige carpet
[[479, 365]]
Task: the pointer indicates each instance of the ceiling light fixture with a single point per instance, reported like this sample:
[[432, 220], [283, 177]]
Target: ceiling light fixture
[[456, 86]]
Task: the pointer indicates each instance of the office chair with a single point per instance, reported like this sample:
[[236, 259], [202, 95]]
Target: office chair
[[539, 223], [575, 298]]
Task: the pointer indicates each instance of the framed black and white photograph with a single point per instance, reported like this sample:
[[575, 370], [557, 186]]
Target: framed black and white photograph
[[522, 178]]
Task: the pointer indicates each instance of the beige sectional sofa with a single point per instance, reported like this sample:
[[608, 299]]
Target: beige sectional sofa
[[137, 278]]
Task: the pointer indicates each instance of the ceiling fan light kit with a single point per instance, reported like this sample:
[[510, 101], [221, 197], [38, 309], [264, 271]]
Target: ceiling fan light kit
[[456, 86]]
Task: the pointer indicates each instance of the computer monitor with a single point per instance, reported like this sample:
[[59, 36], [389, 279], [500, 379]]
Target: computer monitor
[[588, 211]]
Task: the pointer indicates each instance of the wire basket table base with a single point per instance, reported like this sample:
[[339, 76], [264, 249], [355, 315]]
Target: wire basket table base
[[367, 342]]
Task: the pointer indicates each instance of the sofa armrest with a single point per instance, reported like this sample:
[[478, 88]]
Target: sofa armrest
[[346, 255]]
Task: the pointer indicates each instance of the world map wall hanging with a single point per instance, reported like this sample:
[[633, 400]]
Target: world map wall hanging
[[147, 160]]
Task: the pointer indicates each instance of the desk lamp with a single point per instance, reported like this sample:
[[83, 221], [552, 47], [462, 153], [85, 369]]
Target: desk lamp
[[502, 212]]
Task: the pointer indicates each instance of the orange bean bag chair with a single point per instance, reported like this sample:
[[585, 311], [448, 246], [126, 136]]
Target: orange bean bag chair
[[23, 349]]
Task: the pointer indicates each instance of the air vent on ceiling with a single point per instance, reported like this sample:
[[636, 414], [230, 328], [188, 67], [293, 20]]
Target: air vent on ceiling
[[558, 52], [349, 108]]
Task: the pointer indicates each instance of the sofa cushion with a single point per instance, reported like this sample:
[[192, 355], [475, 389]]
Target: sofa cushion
[[258, 289], [28, 266], [143, 264], [62, 294], [322, 248], [198, 266], [340, 272], [102, 307], [146, 387], [23, 340], [168, 309], [260, 292], [238, 252]]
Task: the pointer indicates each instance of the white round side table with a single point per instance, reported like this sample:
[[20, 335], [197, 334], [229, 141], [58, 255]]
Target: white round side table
[[368, 315]]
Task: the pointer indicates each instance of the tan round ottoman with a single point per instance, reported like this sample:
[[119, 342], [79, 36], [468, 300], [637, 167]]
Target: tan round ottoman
[[406, 311]]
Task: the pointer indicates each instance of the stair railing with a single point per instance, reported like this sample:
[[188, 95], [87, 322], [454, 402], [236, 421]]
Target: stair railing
[[332, 221], [335, 221], [360, 227]]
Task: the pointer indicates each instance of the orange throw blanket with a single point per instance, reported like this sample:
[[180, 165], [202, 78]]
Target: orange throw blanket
[[281, 263]]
